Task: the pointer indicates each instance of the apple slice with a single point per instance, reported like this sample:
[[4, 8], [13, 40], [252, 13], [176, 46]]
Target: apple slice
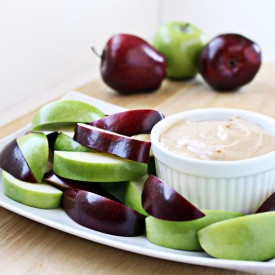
[[64, 114], [132, 197], [130, 123], [163, 202], [251, 238], [40, 195], [102, 214], [13, 161], [183, 235], [64, 142], [96, 167], [268, 204], [113, 143], [63, 184], [26, 157], [35, 149], [117, 189]]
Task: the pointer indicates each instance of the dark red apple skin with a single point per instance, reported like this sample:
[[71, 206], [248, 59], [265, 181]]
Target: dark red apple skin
[[130, 65], [163, 202], [122, 146], [51, 139], [13, 162], [102, 214], [268, 204], [130, 123], [63, 184], [229, 61]]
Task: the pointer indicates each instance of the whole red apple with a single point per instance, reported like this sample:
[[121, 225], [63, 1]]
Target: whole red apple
[[130, 65], [229, 61]]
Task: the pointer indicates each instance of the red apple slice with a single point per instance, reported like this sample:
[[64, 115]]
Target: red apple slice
[[130, 123], [163, 202], [63, 184], [113, 143], [13, 162], [268, 204], [102, 214]]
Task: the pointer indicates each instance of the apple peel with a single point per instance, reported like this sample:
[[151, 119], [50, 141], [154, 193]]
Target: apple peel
[[131, 122], [13, 161], [112, 143], [267, 205], [102, 214], [163, 202]]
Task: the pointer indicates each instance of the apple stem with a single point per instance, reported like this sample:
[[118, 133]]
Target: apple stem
[[184, 28], [95, 52]]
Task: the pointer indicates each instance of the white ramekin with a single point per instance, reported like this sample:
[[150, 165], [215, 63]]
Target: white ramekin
[[240, 185]]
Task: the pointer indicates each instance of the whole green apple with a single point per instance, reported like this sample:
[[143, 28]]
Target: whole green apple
[[181, 44]]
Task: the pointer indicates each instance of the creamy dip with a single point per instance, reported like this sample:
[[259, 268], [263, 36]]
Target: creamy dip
[[234, 139]]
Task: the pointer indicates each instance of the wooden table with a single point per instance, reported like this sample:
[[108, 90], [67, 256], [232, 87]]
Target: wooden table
[[27, 247]]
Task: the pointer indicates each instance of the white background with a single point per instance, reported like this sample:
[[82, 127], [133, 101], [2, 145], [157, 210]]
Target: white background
[[45, 45]]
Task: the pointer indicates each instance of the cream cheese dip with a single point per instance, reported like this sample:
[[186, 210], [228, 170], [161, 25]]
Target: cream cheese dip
[[234, 139]]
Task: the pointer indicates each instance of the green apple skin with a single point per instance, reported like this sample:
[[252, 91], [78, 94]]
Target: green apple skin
[[117, 189], [65, 142], [64, 114], [96, 167], [181, 44], [35, 149], [183, 235], [132, 197], [39, 195], [250, 237]]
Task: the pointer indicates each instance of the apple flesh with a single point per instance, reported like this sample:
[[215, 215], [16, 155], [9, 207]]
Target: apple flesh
[[64, 114], [130, 123], [268, 204], [130, 65], [64, 142], [251, 237], [183, 235], [163, 202], [96, 167], [113, 143], [102, 214], [39, 195], [229, 61]]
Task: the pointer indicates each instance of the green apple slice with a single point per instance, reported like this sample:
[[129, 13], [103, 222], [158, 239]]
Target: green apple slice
[[65, 142], [39, 195], [35, 149], [151, 163], [183, 235], [96, 167], [64, 114], [132, 197], [250, 237]]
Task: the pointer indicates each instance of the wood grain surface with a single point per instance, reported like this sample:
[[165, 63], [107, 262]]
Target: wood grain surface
[[27, 247]]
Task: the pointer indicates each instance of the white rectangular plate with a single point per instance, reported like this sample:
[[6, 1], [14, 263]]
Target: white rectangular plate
[[57, 218]]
